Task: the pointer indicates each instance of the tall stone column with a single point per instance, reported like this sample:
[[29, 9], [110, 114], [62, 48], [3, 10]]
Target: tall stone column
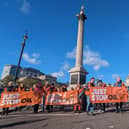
[[78, 73]]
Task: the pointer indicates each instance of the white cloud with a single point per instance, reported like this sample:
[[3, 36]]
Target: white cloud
[[90, 58], [33, 59], [72, 54], [94, 59], [62, 70], [25, 8], [36, 55], [66, 67], [114, 76], [58, 74]]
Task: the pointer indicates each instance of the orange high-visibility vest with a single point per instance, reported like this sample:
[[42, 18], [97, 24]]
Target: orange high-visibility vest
[[87, 93]]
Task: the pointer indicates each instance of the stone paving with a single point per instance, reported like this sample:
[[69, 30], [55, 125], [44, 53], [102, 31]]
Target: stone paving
[[64, 120]]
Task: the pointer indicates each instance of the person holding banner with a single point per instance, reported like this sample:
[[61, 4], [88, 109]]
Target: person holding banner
[[102, 105], [10, 88], [90, 106], [63, 89], [119, 83], [44, 95], [50, 89], [20, 89], [83, 97], [37, 90], [77, 107]]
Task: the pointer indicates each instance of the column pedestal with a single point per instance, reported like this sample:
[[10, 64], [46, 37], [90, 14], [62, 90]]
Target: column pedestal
[[77, 76]]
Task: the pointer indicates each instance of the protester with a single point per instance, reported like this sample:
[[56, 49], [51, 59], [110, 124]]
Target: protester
[[102, 105], [43, 99], [119, 83], [77, 107], [63, 89], [15, 89], [50, 89], [72, 88], [37, 91], [44, 95], [90, 106], [20, 89], [83, 97], [10, 88]]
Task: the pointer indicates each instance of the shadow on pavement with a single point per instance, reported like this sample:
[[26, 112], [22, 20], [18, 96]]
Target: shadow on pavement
[[21, 123]]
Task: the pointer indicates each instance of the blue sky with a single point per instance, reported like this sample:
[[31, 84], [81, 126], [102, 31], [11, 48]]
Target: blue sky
[[52, 29]]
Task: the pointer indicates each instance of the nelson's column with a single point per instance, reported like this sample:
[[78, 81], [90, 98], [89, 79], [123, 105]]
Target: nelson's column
[[78, 73]]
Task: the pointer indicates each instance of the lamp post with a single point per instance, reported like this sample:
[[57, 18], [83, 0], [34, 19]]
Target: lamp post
[[19, 61]]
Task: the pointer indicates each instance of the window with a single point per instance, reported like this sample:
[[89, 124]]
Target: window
[[74, 79], [82, 79]]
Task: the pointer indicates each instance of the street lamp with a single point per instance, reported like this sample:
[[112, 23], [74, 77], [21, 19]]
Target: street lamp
[[19, 61]]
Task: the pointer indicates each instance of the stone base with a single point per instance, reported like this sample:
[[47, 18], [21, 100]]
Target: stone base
[[77, 76]]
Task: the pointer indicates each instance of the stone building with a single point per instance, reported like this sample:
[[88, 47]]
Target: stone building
[[28, 72]]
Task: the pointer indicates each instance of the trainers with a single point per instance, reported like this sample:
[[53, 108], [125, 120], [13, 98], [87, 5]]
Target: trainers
[[92, 114], [88, 113], [99, 111], [121, 110], [102, 111], [117, 111]]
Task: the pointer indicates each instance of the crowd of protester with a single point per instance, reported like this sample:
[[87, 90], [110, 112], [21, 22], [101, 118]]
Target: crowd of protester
[[83, 105]]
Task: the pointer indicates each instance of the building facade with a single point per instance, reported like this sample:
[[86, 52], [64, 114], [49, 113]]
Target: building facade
[[48, 78], [9, 70], [30, 72], [27, 72]]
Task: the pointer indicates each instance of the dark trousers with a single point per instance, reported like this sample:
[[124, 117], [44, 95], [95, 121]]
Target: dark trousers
[[5, 111], [20, 108], [119, 104], [62, 107], [49, 108], [83, 103], [102, 106], [36, 107]]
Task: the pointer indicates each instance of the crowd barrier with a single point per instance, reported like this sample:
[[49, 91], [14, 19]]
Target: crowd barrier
[[97, 95]]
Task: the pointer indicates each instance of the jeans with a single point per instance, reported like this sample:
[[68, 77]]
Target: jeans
[[90, 106]]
